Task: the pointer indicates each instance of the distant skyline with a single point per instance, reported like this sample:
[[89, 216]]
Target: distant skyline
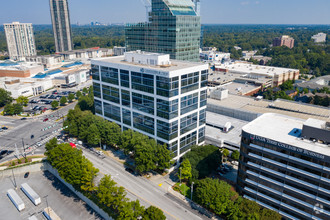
[[212, 11]]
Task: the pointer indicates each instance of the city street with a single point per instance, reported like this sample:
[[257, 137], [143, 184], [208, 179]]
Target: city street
[[20, 131], [144, 190]]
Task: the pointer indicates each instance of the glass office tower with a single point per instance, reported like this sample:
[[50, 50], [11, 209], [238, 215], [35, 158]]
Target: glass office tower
[[59, 11], [285, 166], [148, 93], [174, 28]]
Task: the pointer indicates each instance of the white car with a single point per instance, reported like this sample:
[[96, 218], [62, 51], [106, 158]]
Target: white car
[[39, 144]]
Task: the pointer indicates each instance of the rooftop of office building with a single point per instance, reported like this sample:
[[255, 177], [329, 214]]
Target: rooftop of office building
[[155, 61], [241, 67], [280, 106], [286, 130]]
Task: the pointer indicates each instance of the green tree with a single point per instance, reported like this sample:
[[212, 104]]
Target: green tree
[[93, 137], [51, 144], [185, 170], [163, 157], [267, 214], [215, 195], [204, 160], [22, 100], [250, 209], [13, 109], [54, 104], [71, 97], [152, 213], [225, 152], [78, 94], [145, 156], [5, 97], [111, 196], [9, 109], [85, 91], [305, 90], [235, 155], [63, 100]]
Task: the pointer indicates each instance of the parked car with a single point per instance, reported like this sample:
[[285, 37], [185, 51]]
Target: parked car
[[23, 119], [26, 175], [46, 119], [130, 170], [3, 152]]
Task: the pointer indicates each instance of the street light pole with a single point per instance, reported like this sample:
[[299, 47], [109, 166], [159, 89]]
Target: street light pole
[[192, 189], [47, 205], [180, 175], [14, 179]]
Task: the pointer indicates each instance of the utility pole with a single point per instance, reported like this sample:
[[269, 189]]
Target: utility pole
[[23, 148], [14, 179], [180, 175], [192, 190], [47, 205]]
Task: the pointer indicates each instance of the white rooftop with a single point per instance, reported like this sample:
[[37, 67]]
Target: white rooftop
[[173, 66], [17, 65], [281, 128], [246, 68]]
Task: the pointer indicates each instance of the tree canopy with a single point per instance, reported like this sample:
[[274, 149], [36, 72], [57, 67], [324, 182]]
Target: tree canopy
[[5, 97]]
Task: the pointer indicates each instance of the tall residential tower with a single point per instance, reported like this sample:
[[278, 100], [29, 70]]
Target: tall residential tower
[[20, 40], [59, 10], [174, 28]]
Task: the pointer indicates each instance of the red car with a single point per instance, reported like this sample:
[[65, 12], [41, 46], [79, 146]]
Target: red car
[[46, 119]]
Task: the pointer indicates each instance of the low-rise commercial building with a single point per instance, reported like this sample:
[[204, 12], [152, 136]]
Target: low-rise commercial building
[[314, 84], [212, 55], [149, 93], [278, 75], [19, 69], [284, 165], [25, 86]]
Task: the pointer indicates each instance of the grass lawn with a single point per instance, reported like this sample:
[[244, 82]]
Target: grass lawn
[[183, 189]]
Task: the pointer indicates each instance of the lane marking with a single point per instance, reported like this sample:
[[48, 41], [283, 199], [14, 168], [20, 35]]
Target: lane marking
[[144, 199]]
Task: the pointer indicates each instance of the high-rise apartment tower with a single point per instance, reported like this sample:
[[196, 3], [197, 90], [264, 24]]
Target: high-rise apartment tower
[[174, 28], [20, 40], [59, 10], [284, 41]]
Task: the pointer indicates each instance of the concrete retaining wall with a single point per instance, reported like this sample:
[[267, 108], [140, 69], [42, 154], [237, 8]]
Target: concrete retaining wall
[[79, 194], [46, 166]]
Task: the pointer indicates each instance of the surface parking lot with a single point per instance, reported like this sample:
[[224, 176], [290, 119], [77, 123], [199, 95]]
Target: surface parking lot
[[65, 204]]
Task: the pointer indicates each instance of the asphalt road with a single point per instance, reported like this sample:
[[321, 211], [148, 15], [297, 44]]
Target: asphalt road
[[144, 190], [20, 131]]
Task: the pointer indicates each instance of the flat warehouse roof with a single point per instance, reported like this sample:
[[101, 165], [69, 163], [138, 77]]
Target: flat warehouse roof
[[281, 106]]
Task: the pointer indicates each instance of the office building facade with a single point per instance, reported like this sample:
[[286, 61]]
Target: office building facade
[[59, 11], [285, 166], [20, 40], [283, 41], [148, 93], [174, 28]]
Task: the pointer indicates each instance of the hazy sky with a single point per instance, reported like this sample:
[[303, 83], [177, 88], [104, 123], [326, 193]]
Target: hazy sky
[[213, 11]]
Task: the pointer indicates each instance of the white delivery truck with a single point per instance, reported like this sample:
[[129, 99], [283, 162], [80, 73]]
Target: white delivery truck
[[17, 201], [29, 192]]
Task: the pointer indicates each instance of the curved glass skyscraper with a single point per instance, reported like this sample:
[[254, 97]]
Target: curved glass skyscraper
[[174, 28]]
